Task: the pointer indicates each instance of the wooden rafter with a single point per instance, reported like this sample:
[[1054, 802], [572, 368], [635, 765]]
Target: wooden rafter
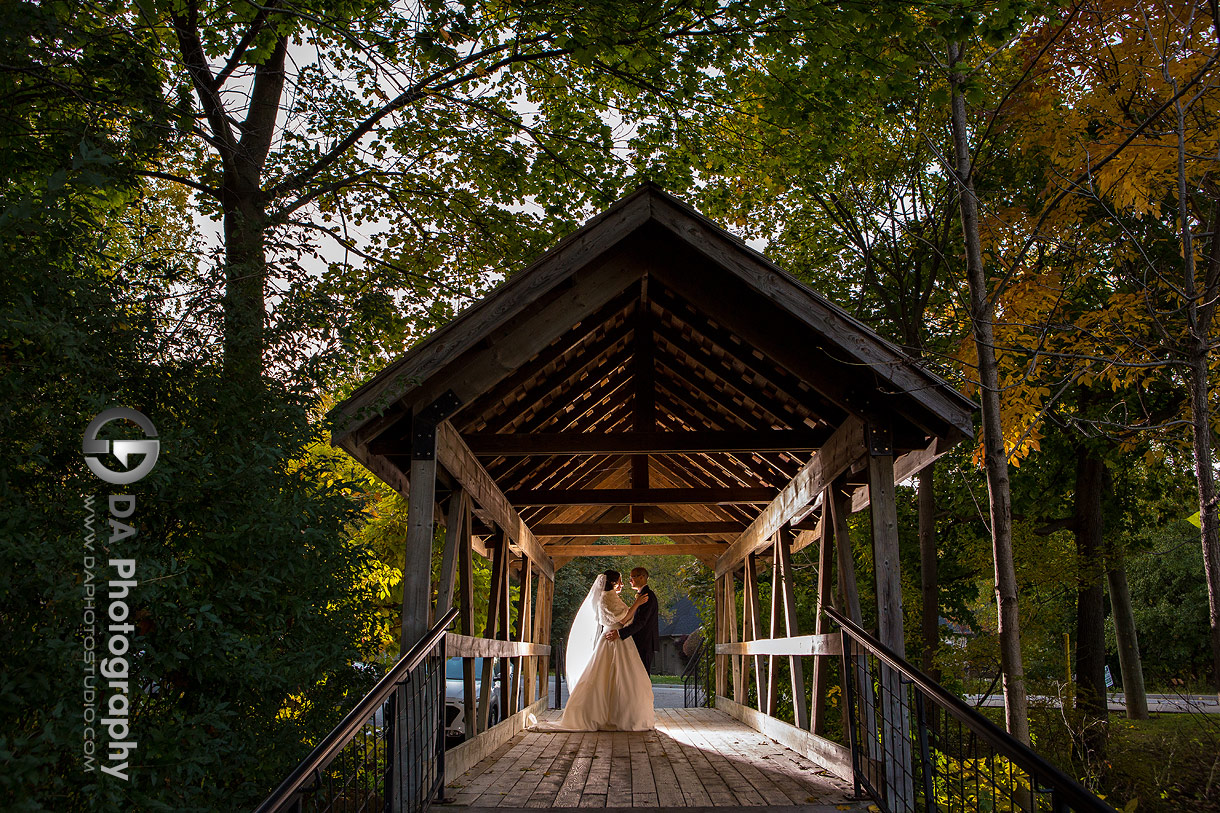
[[487, 444], [844, 448], [639, 496], [601, 529], [674, 549]]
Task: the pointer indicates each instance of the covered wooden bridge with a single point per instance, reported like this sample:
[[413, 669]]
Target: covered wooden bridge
[[653, 378]]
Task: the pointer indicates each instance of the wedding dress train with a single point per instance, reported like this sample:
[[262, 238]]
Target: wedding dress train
[[614, 691]]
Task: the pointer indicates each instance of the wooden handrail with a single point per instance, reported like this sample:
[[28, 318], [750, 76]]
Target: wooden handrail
[[796, 645], [468, 646]]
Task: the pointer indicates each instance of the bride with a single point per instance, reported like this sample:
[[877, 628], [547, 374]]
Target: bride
[[610, 688]]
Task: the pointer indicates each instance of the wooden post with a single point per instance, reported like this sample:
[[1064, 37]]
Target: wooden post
[[521, 680], [730, 618], [542, 629], [787, 595], [498, 544], [849, 598], [466, 615], [821, 666], [720, 636], [455, 537], [416, 588], [753, 622], [884, 515], [546, 633], [417, 578], [506, 622], [777, 576]]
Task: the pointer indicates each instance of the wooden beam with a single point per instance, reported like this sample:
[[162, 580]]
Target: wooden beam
[[752, 622], [739, 441], [719, 632], [603, 529], [729, 581], [417, 581], [821, 667], [844, 448], [453, 453], [467, 646], [896, 739], [640, 496], [905, 467], [466, 566], [794, 646], [457, 531], [523, 629], [787, 596], [499, 572], [695, 549], [885, 552]]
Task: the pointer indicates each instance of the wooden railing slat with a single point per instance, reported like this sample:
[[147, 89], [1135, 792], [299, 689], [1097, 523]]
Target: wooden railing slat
[[797, 645], [467, 646]]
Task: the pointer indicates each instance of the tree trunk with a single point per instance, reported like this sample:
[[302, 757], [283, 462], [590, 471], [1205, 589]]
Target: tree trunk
[[1200, 310], [1200, 414], [1016, 702], [1124, 633], [245, 279], [1090, 610], [927, 573]]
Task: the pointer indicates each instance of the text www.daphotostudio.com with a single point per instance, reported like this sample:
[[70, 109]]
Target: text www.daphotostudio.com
[[112, 663]]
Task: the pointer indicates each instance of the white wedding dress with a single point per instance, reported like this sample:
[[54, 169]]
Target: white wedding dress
[[613, 691]]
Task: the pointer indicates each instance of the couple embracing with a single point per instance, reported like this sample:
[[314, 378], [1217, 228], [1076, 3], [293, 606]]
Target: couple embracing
[[610, 651]]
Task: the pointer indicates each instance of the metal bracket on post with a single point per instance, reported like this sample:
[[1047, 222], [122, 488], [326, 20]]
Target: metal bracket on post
[[423, 427], [880, 440]]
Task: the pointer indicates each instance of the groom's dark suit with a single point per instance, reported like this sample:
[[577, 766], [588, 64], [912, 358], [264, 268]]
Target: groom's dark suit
[[644, 629]]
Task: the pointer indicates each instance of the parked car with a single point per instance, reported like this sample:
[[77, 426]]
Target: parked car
[[455, 692]]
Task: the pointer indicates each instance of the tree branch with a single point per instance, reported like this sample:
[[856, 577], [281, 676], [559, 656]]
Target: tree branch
[[167, 176], [196, 63]]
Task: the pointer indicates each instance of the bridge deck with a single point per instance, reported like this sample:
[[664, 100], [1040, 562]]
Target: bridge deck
[[694, 758]]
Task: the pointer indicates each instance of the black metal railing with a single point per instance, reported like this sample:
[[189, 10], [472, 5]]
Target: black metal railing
[[916, 747], [697, 678], [388, 754]]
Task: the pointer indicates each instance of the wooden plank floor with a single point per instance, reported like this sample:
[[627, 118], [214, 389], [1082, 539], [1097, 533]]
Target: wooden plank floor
[[696, 758]]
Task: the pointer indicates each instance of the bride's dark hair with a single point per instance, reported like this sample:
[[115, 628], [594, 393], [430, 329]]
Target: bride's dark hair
[[613, 577]]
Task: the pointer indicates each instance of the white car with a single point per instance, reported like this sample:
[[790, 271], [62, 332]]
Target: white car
[[455, 692]]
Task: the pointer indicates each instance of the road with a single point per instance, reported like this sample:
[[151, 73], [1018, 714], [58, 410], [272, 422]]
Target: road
[[1175, 703], [671, 696], [665, 695]]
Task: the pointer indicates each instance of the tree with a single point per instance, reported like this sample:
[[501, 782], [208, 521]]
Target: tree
[[410, 138], [246, 615], [1145, 157]]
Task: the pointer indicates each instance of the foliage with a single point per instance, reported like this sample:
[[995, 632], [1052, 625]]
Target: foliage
[[573, 580], [1169, 598], [246, 617]]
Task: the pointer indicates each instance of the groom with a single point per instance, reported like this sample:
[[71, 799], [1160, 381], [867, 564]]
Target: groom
[[644, 629]]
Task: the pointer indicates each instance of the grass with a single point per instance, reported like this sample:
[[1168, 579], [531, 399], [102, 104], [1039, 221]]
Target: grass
[[1167, 764], [667, 679], [1171, 762]]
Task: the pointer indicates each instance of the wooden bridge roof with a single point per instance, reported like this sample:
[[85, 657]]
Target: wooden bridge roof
[[651, 370]]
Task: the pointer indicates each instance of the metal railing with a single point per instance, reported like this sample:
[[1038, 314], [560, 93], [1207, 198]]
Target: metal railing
[[697, 678], [388, 753], [916, 747]]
